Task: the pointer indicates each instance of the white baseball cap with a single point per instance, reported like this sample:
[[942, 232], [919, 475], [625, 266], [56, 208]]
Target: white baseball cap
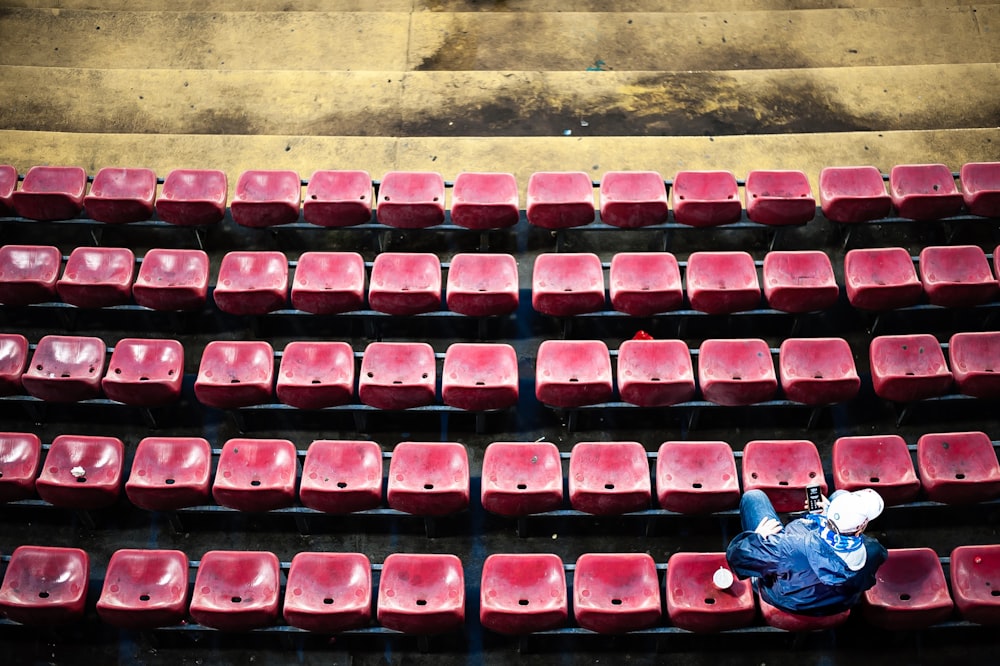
[[849, 511]]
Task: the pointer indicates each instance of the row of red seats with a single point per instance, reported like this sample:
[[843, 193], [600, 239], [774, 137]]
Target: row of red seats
[[555, 200], [423, 594]]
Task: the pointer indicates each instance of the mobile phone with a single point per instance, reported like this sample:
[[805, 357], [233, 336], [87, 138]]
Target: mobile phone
[[814, 497]]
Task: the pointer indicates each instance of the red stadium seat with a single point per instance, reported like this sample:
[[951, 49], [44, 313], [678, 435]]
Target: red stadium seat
[[736, 372], [144, 589], [397, 375], [338, 198], [97, 277], [521, 594], [405, 283], [172, 280], [329, 592], [411, 199], [329, 282], [975, 582], [170, 473], [908, 367], [958, 467], [783, 469], [655, 373], [28, 274], [429, 478], [696, 477], [573, 373], [485, 201], [20, 460], [566, 284], [145, 372], [799, 281], [235, 374], [8, 183], [51, 193], [706, 198], [645, 283], [694, 602], [314, 375], [632, 199], [45, 586], [236, 590], [881, 462], [957, 276], [881, 279], [13, 361], [614, 593], [975, 363], [82, 472], [193, 197], [421, 594], [342, 476], [850, 195], [981, 188], [479, 376], [65, 368], [560, 199], [722, 282], [252, 283], [481, 285], [910, 591], [779, 197], [924, 191], [780, 619], [609, 478], [256, 474], [818, 371], [266, 198], [120, 196], [521, 478]]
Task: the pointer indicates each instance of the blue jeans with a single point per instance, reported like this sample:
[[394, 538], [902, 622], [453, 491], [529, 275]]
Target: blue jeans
[[755, 507]]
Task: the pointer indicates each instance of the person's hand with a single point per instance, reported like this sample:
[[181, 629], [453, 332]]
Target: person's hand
[[824, 502], [768, 527]]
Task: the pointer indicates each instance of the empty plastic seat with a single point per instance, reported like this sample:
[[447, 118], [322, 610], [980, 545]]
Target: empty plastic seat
[[655, 373], [736, 372], [481, 285], [428, 478], [338, 198], [566, 284], [957, 276], [706, 198], [614, 593], [908, 367], [485, 201], [560, 199], [342, 476], [924, 191], [51, 193], [910, 591], [45, 586], [170, 473], [235, 374], [145, 372], [779, 197], [8, 183], [783, 469], [328, 592], [13, 361], [696, 604], [82, 472], [781, 619], [397, 375], [975, 363], [881, 278], [172, 280], [521, 478], [411, 199], [266, 198], [958, 467], [120, 196], [722, 282], [631, 199], [421, 594], [144, 589], [696, 477], [314, 375], [236, 590], [256, 474], [644, 283], [97, 277], [799, 281], [252, 283], [65, 368], [981, 188], [28, 273], [853, 194], [881, 462], [975, 582], [329, 282], [20, 460], [405, 283], [609, 478], [193, 197], [479, 376], [521, 594], [818, 371], [573, 373]]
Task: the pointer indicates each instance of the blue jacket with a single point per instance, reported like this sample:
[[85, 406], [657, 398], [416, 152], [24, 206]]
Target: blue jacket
[[799, 572]]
